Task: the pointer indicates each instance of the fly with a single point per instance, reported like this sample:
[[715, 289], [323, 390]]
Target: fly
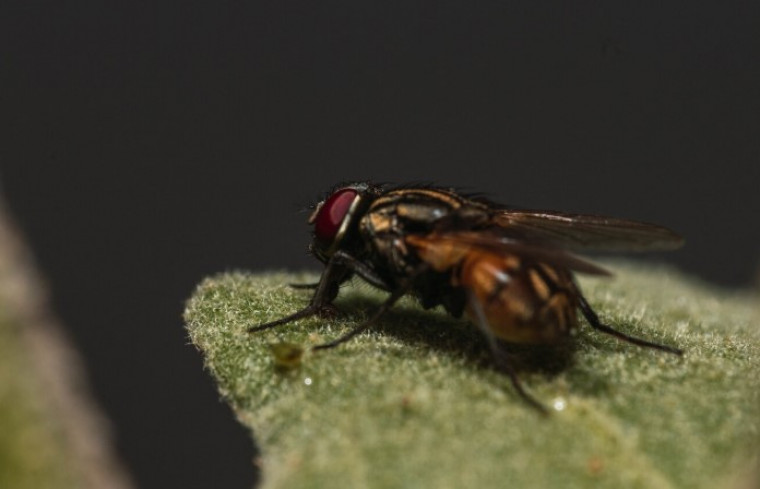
[[510, 271]]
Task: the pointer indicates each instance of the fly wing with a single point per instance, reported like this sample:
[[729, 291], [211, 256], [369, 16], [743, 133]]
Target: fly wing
[[443, 250], [585, 231]]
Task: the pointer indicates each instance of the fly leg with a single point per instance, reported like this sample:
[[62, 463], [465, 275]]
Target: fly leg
[[597, 324], [339, 268], [356, 266], [384, 307], [361, 269], [395, 296], [327, 289], [500, 356]]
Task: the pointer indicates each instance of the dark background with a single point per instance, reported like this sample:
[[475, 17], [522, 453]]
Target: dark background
[[146, 144]]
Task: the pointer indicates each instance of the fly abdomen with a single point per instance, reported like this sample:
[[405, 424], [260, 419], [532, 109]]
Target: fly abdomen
[[523, 302]]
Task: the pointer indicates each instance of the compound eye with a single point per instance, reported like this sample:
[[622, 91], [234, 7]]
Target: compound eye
[[331, 214]]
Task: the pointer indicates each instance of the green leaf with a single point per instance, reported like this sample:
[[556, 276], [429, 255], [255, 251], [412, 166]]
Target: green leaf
[[414, 403], [34, 452]]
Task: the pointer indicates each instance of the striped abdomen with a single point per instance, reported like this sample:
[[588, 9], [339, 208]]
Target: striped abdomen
[[522, 301]]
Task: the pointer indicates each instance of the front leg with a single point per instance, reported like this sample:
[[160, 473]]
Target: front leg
[[361, 269], [338, 269], [404, 287], [334, 274], [355, 266]]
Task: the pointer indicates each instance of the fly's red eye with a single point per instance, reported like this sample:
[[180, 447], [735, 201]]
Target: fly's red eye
[[331, 214]]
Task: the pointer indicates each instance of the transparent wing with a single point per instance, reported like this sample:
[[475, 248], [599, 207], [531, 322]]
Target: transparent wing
[[585, 231], [443, 248]]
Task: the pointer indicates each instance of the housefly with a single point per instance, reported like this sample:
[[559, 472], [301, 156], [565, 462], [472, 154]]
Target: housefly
[[509, 270]]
